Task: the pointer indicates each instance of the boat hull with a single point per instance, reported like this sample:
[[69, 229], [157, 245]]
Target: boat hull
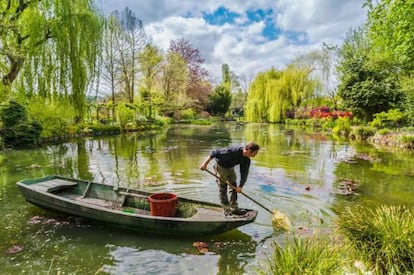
[[119, 207]]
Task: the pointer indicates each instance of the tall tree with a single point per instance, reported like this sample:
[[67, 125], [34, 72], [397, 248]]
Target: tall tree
[[111, 69], [220, 100], [50, 46], [390, 27], [273, 93], [225, 74], [173, 79], [149, 59], [133, 40], [368, 82], [197, 81]]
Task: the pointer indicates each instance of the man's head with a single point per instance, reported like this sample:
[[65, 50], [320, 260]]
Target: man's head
[[251, 149]]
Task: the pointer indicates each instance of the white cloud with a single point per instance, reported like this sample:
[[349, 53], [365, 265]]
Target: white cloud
[[242, 45]]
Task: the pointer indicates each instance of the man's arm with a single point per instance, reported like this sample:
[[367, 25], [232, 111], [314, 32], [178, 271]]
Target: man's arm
[[203, 166], [244, 171]]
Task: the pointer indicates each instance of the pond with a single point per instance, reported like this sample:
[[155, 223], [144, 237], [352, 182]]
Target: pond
[[307, 176]]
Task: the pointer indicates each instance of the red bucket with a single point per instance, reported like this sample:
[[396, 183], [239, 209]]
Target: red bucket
[[163, 204]]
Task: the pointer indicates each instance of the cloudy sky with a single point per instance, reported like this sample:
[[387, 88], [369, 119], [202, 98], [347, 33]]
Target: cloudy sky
[[248, 35]]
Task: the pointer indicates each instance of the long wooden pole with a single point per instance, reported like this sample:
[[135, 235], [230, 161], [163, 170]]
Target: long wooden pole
[[244, 194]]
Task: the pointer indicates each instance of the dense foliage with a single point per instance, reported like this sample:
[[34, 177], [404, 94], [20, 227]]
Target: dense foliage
[[376, 61], [273, 93], [368, 85], [220, 100], [70, 65], [49, 49], [17, 129]]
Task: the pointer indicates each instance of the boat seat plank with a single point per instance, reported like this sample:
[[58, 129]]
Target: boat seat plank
[[53, 185], [208, 214], [104, 203]]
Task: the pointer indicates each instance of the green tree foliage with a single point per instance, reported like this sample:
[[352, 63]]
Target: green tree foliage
[[225, 72], [368, 84], [273, 93], [17, 130], [149, 60], [390, 28], [407, 87], [220, 100], [49, 48], [376, 62], [173, 79], [13, 114], [197, 87]]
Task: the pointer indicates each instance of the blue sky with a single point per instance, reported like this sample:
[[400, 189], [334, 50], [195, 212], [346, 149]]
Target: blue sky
[[250, 36]]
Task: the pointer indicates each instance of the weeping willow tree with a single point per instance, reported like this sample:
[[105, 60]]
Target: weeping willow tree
[[257, 105], [273, 93], [49, 49]]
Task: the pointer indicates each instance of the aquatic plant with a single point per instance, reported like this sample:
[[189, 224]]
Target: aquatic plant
[[307, 255], [384, 235]]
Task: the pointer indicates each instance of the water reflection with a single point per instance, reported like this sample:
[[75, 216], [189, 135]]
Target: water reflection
[[296, 172], [227, 254]]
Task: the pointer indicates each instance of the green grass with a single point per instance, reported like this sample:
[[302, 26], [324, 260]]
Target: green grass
[[307, 255], [367, 241], [385, 236]]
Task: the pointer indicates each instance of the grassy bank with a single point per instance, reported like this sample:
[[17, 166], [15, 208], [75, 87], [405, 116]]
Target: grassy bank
[[379, 241]]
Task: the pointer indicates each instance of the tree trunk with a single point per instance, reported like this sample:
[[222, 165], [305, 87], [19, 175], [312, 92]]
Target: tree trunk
[[16, 64]]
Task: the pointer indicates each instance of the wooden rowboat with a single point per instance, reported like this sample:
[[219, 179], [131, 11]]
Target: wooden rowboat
[[129, 209]]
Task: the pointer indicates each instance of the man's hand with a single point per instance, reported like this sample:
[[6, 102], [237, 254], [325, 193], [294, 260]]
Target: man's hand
[[238, 189], [203, 166]]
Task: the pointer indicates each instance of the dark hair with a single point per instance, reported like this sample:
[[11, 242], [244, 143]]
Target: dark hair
[[253, 146]]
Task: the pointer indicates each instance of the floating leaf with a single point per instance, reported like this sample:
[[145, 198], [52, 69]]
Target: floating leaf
[[14, 249], [202, 247], [203, 250], [200, 244]]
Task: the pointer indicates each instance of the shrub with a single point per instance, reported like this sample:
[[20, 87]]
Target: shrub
[[187, 114], [342, 126], [363, 132], [324, 112], [17, 130], [328, 124], [383, 132], [392, 118], [55, 118], [162, 121], [13, 114], [125, 115], [303, 113], [384, 235]]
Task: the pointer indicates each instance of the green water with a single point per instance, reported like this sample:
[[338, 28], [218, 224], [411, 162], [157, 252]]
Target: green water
[[298, 173]]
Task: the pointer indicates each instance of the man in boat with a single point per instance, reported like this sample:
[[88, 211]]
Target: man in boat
[[226, 159]]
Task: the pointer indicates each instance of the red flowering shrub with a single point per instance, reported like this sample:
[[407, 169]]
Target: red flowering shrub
[[325, 112]]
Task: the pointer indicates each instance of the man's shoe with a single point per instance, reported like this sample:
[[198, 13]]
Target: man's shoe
[[239, 212]]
